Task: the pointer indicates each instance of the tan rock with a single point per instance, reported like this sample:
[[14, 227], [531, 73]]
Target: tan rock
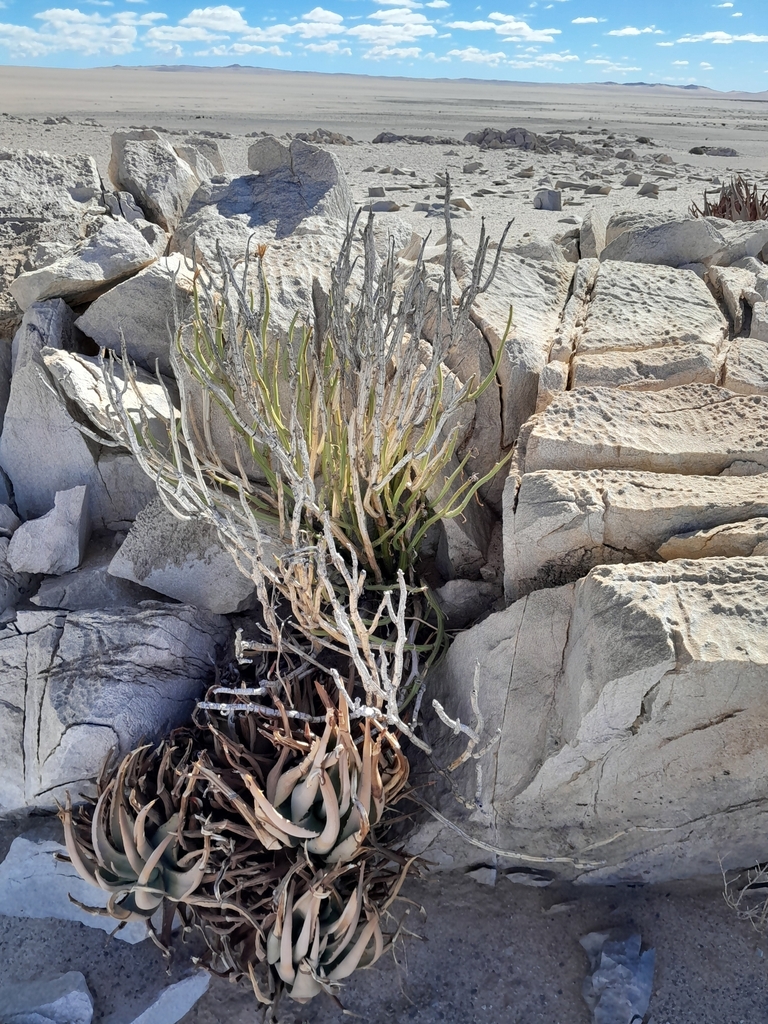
[[749, 538], [632, 711], [562, 523], [746, 367], [694, 429]]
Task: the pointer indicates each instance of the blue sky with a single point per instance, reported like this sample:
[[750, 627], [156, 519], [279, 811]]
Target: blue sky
[[722, 45]]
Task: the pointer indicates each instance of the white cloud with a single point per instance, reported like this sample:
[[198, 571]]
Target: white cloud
[[136, 1], [69, 30], [241, 49], [318, 23], [217, 19], [680, 63], [512, 29], [706, 66], [597, 60], [630, 30], [737, 14], [332, 47], [722, 5], [393, 27], [384, 52], [437, 3], [665, 44], [723, 38], [410, 4], [472, 55], [585, 21]]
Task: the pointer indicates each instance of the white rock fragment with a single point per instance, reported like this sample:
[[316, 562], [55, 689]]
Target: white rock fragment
[[55, 543], [34, 884], [62, 1000], [175, 1001], [548, 199], [146, 165], [143, 311], [110, 254]]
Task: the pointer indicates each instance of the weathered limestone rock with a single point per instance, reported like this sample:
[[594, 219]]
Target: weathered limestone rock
[[746, 367], [55, 543], [35, 885], [630, 220], [6, 361], [46, 204], [759, 331], [672, 244], [41, 449], [537, 290], [123, 490], [731, 284], [748, 538], [146, 165], [143, 311], [740, 240], [649, 327], [91, 586], [184, 560], [62, 1000], [14, 586], [297, 204], [560, 524], [202, 155], [76, 685], [694, 429], [176, 1001], [592, 239], [632, 712], [81, 380], [113, 252]]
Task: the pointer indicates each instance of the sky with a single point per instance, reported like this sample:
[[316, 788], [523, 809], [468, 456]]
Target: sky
[[678, 42]]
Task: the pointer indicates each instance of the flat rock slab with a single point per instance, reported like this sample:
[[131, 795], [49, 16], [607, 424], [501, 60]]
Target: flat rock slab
[[33, 883], [183, 559], [46, 204], [113, 252], [695, 429], [648, 326], [632, 711], [77, 685], [560, 524]]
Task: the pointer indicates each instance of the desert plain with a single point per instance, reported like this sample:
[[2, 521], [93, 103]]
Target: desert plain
[[480, 955]]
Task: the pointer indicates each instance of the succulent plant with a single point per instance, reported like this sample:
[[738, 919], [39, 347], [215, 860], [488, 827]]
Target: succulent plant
[[130, 845]]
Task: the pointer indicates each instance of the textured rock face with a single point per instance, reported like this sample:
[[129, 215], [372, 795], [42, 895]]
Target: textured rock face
[[672, 244], [649, 327], [564, 522], [536, 289], [147, 166], [183, 560], [632, 709], [76, 685], [698, 429], [113, 252], [143, 311], [46, 205]]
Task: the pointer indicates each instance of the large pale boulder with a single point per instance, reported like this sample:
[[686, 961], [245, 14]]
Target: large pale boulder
[[146, 165], [631, 708], [592, 233], [183, 559], [559, 524], [536, 289], [55, 543], [673, 244], [694, 429], [47, 204], [648, 327], [41, 449], [143, 312], [91, 585], [297, 205], [113, 252], [77, 685]]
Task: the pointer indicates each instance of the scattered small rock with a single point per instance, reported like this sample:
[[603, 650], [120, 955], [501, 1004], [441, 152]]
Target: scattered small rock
[[548, 199]]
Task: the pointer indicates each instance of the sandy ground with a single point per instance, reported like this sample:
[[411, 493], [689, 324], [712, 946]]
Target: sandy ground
[[508, 955]]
